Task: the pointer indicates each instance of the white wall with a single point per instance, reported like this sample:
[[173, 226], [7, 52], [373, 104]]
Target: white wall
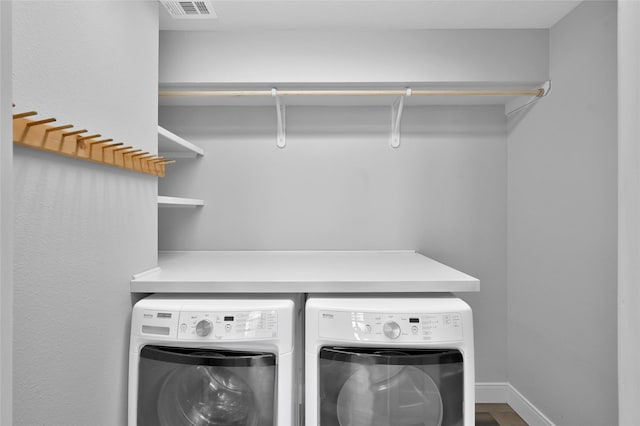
[[81, 229], [629, 213], [6, 217], [339, 186], [562, 228], [353, 56]]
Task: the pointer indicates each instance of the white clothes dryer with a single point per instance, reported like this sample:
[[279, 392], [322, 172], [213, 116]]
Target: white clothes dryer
[[389, 362], [200, 361]]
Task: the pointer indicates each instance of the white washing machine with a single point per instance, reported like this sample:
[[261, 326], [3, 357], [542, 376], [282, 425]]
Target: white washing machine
[[200, 361], [389, 362]]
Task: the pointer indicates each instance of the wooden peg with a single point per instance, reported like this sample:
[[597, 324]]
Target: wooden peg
[[25, 126], [39, 122], [144, 162], [167, 162], [122, 148], [55, 129], [119, 157], [36, 139], [139, 154], [113, 145], [106, 148], [127, 153], [100, 141], [83, 138], [80, 140], [96, 154], [24, 114], [70, 148], [66, 135], [108, 152], [75, 132]]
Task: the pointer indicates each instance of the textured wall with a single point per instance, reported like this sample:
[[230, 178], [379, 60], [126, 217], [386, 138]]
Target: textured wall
[[81, 229], [562, 228], [6, 216], [339, 186]]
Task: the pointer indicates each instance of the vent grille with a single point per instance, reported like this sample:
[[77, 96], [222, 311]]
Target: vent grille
[[189, 9]]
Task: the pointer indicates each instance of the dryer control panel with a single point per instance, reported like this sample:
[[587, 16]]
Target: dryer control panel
[[228, 325], [391, 327]]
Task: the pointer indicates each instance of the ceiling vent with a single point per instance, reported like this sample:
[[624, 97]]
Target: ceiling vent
[[189, 9]]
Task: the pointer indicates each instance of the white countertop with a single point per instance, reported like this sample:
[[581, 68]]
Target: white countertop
[[300, 272]]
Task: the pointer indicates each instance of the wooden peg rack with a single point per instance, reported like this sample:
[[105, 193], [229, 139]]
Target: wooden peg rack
[[39, 134]]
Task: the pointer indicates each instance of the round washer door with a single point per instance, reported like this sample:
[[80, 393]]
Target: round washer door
[[205, 387], [377, 395], [390, 387]]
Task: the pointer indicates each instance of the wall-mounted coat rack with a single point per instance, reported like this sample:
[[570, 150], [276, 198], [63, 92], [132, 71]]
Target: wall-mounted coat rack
[[38, 134], [522, 99]]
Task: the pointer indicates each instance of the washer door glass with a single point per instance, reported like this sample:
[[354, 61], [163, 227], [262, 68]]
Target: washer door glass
[[205, 387], [390, 387]]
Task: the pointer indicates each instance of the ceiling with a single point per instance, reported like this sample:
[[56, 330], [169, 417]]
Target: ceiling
[[375, 15]]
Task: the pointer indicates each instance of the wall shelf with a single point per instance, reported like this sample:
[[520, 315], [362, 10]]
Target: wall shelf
[[177, 147], [300, 272], [164, 201], [174, 146]]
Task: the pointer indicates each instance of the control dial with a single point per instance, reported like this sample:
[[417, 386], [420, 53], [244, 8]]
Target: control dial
[[391, 329], [203, 328]]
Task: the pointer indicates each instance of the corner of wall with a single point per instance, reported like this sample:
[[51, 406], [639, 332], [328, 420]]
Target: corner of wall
[[6, 217]]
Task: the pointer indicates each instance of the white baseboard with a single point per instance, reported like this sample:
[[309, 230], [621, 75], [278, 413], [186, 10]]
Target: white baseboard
[[505, 393], [492, 392]]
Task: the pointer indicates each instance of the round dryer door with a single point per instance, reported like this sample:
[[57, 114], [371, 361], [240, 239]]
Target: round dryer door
[[202, 387]]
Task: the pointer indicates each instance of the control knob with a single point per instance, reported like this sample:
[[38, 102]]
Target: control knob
[[391, 329], [203, 328]]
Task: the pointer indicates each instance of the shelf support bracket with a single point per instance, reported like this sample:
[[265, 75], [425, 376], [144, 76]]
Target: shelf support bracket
[[396, 117], [281, 120], [520, 103]]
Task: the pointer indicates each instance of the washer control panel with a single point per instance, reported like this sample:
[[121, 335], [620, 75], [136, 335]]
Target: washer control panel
[[388, 327], [227, 325]]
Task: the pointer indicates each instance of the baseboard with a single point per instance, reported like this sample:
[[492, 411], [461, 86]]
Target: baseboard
[[506, 393], [492, 392]]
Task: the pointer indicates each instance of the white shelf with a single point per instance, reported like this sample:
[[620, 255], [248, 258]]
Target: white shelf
[[173, 146], [164, 201], [300, 272]]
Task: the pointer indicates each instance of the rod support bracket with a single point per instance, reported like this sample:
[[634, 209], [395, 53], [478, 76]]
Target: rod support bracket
[[396, 117], [280, 119], [520, 103]]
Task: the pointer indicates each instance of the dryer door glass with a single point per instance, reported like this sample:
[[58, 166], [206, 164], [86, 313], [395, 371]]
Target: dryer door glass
[[205, 387], [390, 387]]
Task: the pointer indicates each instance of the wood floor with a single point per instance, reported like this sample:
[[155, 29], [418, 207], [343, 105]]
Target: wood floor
[[497, 415]]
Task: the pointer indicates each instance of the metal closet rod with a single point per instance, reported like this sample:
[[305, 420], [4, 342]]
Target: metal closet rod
[[395, 92]]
